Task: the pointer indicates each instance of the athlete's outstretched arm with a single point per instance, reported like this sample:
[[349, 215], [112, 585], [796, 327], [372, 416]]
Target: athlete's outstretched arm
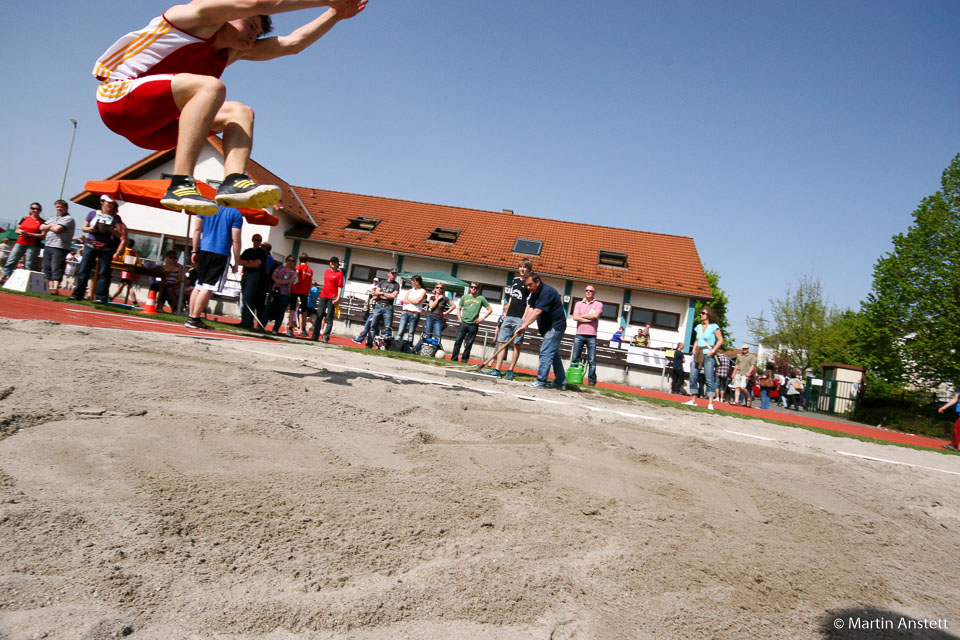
[[302, 37], [203, 17]]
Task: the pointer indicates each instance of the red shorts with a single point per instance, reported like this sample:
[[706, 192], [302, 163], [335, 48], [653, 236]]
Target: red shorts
[[145, 114]]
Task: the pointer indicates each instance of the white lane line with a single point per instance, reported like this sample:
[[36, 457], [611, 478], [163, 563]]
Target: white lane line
[[750, 435], [516, 395], [905, 464], [621, 413], [114, 315]]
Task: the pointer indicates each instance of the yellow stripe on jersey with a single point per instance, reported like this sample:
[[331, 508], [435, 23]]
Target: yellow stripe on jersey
[[132, 48]]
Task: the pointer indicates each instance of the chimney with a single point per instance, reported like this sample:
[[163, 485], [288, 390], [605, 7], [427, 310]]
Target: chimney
[[508, 212]]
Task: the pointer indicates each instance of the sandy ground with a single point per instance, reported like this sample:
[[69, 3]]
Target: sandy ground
[[157, 486]]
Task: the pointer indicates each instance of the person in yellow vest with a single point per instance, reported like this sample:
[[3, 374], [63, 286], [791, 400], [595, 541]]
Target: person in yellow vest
[[128, 278]]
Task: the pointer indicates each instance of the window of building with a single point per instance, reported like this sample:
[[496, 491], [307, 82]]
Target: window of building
[[659, 319], [153, 247], [491, 292], [529, 247], [444, 234], [362, 223], [613, 259], [610, 311], [363, 273]]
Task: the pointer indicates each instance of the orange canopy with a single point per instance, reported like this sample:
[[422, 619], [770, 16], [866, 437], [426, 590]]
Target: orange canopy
[[149, 193]]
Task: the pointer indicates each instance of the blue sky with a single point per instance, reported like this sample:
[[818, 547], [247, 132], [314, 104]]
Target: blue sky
[[784, 137]]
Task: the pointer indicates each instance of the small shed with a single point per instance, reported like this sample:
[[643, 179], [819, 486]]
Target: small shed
[[838, 391]]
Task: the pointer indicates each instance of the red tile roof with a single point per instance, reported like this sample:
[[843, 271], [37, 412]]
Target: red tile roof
[[655, 262]]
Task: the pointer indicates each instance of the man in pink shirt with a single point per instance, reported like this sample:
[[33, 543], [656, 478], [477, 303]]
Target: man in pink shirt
[[587, 315]]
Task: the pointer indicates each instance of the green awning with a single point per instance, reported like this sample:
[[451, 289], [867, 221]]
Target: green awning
[[9, 234], [430, 278]]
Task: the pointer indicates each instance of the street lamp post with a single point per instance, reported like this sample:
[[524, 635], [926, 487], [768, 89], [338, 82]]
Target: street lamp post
[[69, 151]]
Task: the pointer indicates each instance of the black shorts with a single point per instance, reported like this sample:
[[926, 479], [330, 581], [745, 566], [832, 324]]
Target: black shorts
[[298, 298], [211, 268]]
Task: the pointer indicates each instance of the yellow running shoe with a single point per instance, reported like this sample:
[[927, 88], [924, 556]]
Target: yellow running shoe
[[185, 197], [238, 190]]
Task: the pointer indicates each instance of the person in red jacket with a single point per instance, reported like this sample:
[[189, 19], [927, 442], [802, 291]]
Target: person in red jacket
[[28, 241]]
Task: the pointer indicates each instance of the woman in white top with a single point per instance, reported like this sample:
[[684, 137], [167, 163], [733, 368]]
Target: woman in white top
[[412, 301]]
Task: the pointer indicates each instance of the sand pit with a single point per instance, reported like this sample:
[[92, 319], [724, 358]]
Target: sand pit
[[161, 487]]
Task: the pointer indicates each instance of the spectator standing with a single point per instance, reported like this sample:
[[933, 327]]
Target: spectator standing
[[59, 232], [587, 315], [546, 308], [311, 320], [298, 295], [127, 278], [254, 260], [283, 278], [169, 292], [744, 368], [28, 241], [954, 402], [106, 241], [696, 374], [266, 284], [768, 382], [213, 238], [413, 299], [381, 318], [468, 313], [515, 306], [367, 313], [723, 375], [438, 305], [709, 341], [676, 371], [330, 296], [794, 390]]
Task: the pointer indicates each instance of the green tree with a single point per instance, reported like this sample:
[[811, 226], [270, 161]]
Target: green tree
[[807, 330], [719, 304], [908, 333]]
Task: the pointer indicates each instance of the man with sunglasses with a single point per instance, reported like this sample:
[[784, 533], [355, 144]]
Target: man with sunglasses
[[587, 315], [468, 313], [28, 241], [161, 89]]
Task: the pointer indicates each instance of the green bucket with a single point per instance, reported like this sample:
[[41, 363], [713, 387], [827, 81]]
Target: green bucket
[[575, 373]]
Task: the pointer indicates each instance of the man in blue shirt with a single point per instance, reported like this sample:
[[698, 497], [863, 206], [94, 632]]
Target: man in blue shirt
[[547, 309], [213, 236]]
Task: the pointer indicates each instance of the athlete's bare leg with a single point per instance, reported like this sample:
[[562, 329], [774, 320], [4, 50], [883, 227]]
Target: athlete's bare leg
[[235, 121], [199, 99]]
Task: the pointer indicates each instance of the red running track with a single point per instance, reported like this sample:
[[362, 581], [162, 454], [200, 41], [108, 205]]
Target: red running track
[[27, 308]]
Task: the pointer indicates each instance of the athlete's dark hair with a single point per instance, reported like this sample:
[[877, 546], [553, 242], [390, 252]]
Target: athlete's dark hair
[[266, 22]]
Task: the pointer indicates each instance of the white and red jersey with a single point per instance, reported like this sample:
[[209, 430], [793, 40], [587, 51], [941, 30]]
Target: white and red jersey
[[157, 49]]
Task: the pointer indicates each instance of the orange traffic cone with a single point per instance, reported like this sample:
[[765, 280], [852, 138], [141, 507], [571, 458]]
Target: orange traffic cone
[[150, 308]]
